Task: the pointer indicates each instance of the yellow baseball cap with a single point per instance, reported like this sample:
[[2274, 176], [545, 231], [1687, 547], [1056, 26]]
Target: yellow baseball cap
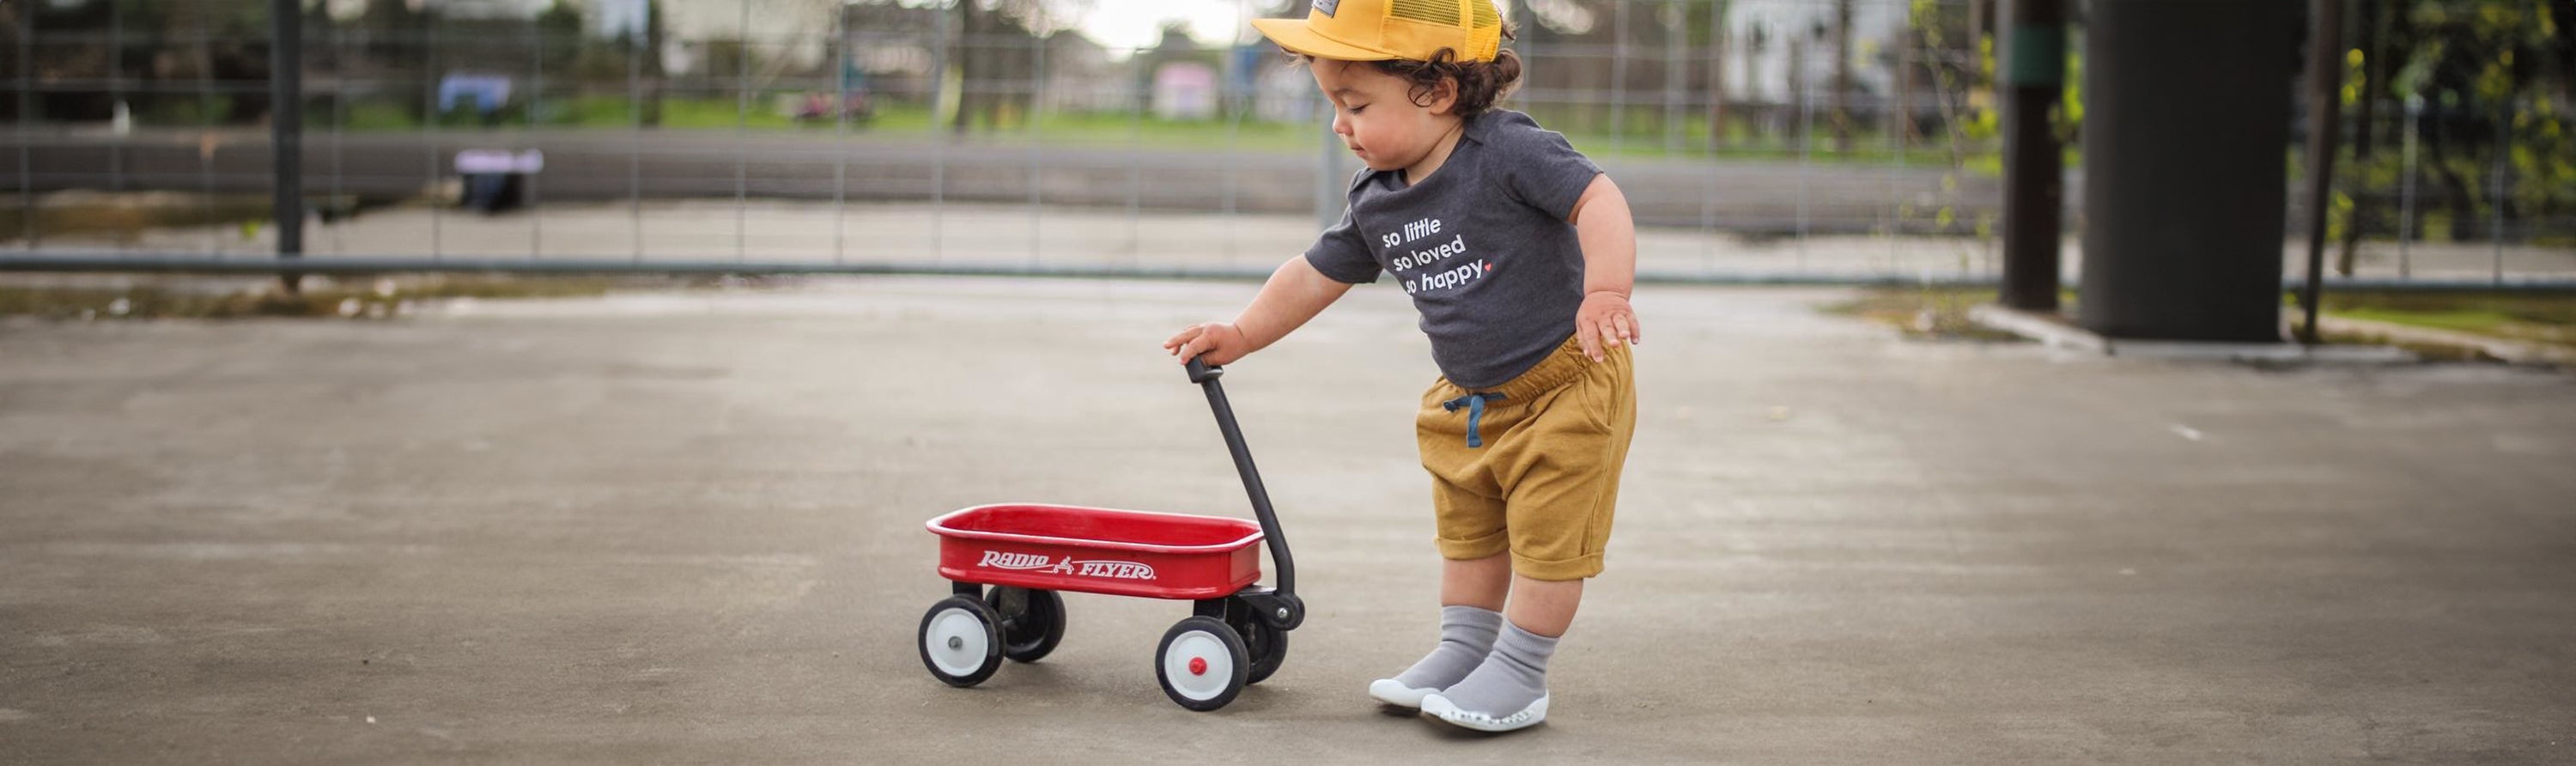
[[1379, 30]]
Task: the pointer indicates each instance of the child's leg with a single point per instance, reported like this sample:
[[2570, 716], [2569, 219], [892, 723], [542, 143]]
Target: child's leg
[[1544, 607], [1557, 515], [1509, 689], [1480, 583], [1476, 568], [1471, 602]]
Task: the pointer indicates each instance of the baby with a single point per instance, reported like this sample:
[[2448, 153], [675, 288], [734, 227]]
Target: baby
[[1519, 253]]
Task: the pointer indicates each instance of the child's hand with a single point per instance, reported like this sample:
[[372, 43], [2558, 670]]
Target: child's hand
[[1605, 320], [1220, 342]]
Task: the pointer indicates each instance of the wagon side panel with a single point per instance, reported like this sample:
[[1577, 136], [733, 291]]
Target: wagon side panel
[[1084, 569]]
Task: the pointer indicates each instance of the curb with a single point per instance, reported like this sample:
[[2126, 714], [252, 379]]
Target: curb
[[2051, 329], [2514, 352]]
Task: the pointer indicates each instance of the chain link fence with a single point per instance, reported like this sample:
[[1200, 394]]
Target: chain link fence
[[1796, 140]]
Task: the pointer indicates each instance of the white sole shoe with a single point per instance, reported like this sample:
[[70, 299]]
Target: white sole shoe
[[1440, 707], [1395, 693]]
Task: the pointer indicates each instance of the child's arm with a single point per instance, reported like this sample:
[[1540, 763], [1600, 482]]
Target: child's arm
[[1294, 294], [1609, 238]]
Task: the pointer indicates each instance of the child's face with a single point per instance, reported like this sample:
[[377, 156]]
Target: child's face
[[1376, 116]]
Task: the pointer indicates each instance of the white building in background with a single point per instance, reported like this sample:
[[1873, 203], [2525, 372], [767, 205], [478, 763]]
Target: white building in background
[[1875, 26], [485, 9], [612, 19], [1081, 78], [1185, 90], [799, 30], [1285, 94]]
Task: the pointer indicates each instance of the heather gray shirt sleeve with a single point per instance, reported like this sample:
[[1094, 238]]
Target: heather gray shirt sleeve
[[1342, 256], [1544, 171]]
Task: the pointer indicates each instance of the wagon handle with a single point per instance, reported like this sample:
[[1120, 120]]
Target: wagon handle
[[1206, 376]]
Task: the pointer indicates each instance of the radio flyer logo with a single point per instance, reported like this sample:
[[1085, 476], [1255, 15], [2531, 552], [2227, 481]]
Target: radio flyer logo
[[1038, 562]]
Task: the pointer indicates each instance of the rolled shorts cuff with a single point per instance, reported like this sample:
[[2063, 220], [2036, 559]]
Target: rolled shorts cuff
[[1581, 567]]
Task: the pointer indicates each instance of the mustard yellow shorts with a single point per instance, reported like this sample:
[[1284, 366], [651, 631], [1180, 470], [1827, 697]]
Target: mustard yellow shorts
[[1542, 474]]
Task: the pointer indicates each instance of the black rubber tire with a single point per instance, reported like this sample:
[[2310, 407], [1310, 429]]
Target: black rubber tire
[[1032, 621], [1266, 646], [991, 651], [1237, 666]]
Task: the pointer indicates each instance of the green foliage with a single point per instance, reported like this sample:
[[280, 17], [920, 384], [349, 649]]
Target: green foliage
[[2493, 79]]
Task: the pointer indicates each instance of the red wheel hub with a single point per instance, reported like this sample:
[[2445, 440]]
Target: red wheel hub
[[1198, 666]]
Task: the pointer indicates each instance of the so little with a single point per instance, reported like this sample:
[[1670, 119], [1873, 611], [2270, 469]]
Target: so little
[[1519, 253]]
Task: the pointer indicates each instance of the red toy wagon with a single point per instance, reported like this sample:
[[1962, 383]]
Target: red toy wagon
[[1236, 636]]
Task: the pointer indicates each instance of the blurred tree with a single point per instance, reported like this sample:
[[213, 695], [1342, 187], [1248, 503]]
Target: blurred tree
[[996, 59], [1842, 76], [2495, 79]]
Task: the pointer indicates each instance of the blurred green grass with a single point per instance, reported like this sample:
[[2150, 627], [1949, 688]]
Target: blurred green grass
[[1643, 137]]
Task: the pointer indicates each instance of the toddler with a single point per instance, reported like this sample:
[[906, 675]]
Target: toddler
[[1519, 253]]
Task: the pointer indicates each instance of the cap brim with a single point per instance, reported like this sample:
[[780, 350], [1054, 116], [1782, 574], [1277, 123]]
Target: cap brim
[[1299, 36]]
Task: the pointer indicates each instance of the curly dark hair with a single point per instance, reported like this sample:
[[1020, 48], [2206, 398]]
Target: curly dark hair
[[1480, 83]]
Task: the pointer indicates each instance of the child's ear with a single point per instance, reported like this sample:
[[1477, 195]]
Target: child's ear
[[1444, 97]]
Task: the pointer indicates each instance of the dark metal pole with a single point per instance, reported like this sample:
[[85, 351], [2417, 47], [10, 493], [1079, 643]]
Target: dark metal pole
[[2325, 123], [29, 232], [2035, 50], [286, 129]]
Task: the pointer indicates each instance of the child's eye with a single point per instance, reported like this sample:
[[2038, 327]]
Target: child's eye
[[1357, 109]]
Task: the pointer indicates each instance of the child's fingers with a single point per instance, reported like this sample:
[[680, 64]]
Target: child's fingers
[[1628, 328], [1183, 338]]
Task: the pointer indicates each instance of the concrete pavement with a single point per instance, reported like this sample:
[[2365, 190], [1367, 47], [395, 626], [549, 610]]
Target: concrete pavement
[[686, 527]]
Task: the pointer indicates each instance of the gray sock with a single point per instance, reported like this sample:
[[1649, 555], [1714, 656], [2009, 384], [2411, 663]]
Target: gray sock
[[1466, 636], [1512, 678]]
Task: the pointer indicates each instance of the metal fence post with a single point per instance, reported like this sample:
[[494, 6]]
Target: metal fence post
[[286, 130], [1676, 58], [430, 115], [1037, 150], [840, 131], [636, 41], [536, 117], [1136, 147], [741, 129], [116, 95], [207, 141], [2495, 206], [2406, 197], [939, 138], [26, 123], [1619, 75]]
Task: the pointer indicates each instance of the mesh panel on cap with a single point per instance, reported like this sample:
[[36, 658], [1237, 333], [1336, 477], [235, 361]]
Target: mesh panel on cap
[[1445, 12], [1442, 12]]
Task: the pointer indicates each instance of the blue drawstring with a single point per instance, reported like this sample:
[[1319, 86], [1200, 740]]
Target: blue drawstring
[[1475, 404]]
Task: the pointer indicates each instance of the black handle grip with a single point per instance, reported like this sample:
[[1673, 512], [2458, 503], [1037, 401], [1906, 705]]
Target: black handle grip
[[1201, 371]]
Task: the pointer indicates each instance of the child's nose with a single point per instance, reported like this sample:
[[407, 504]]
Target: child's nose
[[1341, 123]]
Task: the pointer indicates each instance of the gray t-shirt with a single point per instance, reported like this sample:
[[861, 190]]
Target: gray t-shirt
[[1482, 245]]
